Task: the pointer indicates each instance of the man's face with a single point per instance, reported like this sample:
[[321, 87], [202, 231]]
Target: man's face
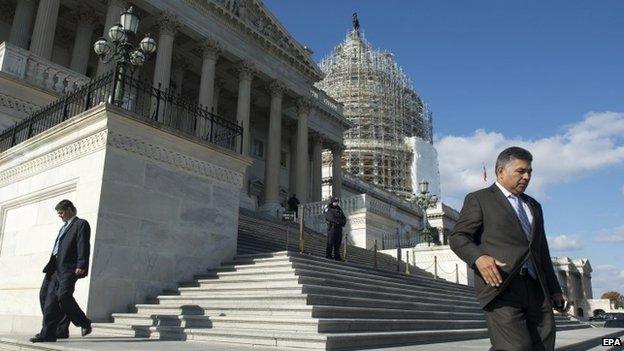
[[515, 176], [65, 215], [335, 203]]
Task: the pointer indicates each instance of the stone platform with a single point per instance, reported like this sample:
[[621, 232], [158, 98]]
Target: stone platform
[[570, 340]]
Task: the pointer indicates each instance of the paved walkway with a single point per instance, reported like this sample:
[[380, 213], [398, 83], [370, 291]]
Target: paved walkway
[[566, 340]]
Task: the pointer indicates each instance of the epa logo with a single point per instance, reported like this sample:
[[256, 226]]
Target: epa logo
[[611, 342]]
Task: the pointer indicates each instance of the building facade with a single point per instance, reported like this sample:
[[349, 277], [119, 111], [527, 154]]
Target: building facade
[[160, 197]]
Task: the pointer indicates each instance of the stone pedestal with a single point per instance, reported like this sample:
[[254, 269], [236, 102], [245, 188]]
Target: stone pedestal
[[162, 207]]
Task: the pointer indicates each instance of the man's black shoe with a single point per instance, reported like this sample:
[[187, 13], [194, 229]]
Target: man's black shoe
[[38, 338], [58, 336], [85, 330]]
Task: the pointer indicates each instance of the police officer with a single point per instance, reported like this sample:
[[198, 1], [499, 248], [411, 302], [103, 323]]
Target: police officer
[[335, 221]]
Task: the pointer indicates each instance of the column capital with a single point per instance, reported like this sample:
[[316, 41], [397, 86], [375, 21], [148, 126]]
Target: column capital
[[210, 48], [86, 15], [303, 105], [167, 23], [276, 88], [245, 70], [316, 138]]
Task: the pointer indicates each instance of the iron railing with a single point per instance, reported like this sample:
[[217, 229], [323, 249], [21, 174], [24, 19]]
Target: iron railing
[[140, 98], [407, 240]]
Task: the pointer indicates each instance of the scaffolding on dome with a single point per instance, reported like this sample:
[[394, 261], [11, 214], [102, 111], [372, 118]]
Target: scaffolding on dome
[[380, 100]]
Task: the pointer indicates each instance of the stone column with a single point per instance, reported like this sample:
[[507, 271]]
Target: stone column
[[167, 25], [317, 164], [113, 12], [82, 41], [245, 75], [45, 26], [210, 53], [22, 23], [218, 86], [337, 170], [301, 153], [272, 165]]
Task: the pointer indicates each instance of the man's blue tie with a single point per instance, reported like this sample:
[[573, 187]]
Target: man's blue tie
[[58, 237], [528, 231]]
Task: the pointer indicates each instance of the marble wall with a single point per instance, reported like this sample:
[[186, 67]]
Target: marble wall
[[162, 207]]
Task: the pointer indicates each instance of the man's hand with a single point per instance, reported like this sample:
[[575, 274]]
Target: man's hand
[[559, 298], [80, 273], [488, 267]]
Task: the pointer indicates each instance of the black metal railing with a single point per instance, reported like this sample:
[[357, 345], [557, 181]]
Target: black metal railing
[[407, 240], [139, 97]]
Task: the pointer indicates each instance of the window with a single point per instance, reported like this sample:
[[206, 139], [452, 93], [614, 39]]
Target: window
[[257, 148]]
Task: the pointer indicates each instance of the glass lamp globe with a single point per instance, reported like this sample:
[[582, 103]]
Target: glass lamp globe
[[130, 20], [148, 45], [101, 47], [116, 32], [423, 186]]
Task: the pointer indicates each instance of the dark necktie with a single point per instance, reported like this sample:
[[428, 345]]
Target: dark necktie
[[528, 231]]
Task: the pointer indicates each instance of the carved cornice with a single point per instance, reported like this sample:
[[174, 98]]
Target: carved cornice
[[210, 48], [167, 23], [17, 104], [245, 70], [101, 139], [251, 18], [57, 157], [178, 160]]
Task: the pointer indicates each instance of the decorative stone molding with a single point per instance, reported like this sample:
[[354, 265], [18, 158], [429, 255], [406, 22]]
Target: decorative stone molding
[[245, 70], [158, 153], [168, 23], [252, 19], [18, 104], [276, 88], [57, 157]]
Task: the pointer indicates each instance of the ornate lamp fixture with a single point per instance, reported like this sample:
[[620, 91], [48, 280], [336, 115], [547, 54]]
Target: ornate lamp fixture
[[425, 200], [123, 51]]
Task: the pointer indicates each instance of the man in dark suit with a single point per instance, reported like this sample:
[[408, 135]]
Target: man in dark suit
[[69, 262], [335, 219], [500, 233]]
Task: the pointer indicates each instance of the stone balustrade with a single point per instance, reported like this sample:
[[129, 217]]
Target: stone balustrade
[[38, 71], [325, 100]]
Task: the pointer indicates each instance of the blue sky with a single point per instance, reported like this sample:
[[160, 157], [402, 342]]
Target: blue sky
[[548, 75]]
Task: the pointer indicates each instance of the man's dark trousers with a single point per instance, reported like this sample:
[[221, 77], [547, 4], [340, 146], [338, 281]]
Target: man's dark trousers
[[60, 303], [523, 300], [63, 327], [334, 239]]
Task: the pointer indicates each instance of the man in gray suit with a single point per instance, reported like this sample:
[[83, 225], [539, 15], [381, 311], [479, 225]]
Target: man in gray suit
[[500, 234]]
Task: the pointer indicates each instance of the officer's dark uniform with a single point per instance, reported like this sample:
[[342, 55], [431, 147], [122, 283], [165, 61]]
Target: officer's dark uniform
[[335, 221]]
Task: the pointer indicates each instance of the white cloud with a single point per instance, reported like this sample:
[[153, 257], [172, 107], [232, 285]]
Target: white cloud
[[563, 243], [579, 149], [614, 236], [607, 278]]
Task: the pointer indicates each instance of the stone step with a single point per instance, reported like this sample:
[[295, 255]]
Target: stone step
[[292, 310], [308, 341], [242, 300], [365, 292], [342, 341]]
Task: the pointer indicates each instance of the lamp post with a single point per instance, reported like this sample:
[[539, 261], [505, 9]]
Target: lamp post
[[123, 51], [425, 200]]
